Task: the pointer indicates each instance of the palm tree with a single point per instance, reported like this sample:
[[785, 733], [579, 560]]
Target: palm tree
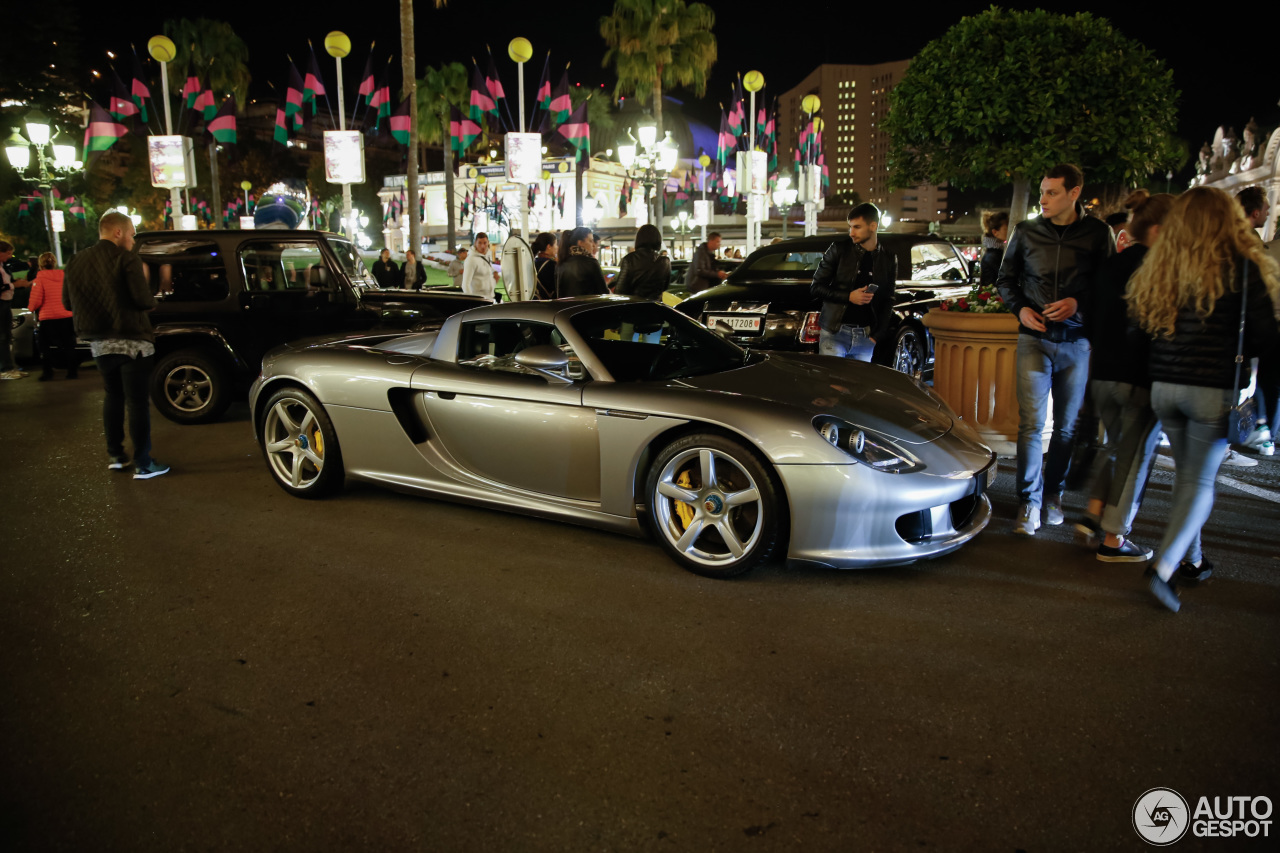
[[410, 75], [221, 58], [440, 89], [659, 43]]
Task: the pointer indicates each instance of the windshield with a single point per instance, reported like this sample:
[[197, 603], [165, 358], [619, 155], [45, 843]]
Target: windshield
[[352, 264], [791, 264], [641, 342]]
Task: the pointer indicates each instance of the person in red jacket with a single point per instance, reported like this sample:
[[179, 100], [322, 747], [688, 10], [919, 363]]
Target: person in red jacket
[[57, 329]]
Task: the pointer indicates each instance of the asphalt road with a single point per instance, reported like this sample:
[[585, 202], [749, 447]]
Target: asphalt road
[[200, 662]]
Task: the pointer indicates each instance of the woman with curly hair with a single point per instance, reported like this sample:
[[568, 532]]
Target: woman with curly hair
[[995, 233], [1189, 295]]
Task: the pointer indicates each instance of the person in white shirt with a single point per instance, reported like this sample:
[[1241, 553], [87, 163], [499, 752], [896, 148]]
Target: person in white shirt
[[478, 275]]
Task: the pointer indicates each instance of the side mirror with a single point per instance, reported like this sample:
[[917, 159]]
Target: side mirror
[[547, 360]]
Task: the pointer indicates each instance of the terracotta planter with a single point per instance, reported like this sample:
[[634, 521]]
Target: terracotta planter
[[975, 358]]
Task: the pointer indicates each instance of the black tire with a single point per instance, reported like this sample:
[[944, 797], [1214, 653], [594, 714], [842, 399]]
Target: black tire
[[300, 445], [191, 387], [909, 350], [730, 539]]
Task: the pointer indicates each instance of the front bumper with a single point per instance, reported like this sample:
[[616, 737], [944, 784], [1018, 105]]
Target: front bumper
[[851, 517]]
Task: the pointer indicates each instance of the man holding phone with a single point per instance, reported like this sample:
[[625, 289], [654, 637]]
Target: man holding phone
[[855, 282]]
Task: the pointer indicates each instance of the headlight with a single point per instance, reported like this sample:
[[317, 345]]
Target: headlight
[[868, 447]]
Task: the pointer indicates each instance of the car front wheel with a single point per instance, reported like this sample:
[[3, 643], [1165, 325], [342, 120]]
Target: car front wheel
[[191, 387], [714, 506], [300, 444]]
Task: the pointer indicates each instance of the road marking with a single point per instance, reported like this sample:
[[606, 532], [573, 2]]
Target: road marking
[[1256, 491]]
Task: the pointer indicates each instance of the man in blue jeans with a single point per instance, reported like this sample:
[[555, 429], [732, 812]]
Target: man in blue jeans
[[1046, 278], [110, 299], [855, 281]]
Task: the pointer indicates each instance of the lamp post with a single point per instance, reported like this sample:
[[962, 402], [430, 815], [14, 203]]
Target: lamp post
[[784, 196], [753, 82], [810, 188], [63, 160], [646, 159], [704, 161], [337, 45], [682, 226], [162, 50]]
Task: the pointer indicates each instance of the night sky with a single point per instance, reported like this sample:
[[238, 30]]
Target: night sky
[[1218, 84]]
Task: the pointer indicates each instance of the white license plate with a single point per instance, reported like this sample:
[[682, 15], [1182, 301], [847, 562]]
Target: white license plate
[[751, 323]]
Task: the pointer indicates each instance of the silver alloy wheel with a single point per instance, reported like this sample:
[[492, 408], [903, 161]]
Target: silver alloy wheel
[[728, 511], [188, 388], [294, 443], [906, 352]]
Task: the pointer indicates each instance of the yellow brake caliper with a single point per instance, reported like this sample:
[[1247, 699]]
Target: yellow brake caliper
[[684, 510]]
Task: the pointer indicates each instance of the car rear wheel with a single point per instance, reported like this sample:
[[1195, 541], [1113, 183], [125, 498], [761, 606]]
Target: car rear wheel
[[909, 350], [191, 387], [300, 444], [714, 506]]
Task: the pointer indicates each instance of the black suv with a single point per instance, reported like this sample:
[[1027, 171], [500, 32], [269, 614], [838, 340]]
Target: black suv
[[227, 297], [767, 303]]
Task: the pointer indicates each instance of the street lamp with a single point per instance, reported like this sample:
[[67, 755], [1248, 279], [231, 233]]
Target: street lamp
[[784, 196], [61, 160], [682, 225], [647, 160]]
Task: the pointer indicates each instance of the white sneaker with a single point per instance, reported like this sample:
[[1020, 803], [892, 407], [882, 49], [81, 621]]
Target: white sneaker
[[1267, 448], [13, 374], [1235, 460], [1261, 435]]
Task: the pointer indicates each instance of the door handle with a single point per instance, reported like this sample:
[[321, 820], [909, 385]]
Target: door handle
[[446, 395]]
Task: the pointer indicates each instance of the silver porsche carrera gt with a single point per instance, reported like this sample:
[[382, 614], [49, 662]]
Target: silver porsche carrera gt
[[623, 414]]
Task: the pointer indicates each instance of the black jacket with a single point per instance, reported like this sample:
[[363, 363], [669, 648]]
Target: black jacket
[[1120, 347], [579, 275], [545, 269], [701, 273], [989, 266], [1040, 267], [387, 275], [835, 278], [1202, 352], [106, 291], [419, 276], [643, 273]]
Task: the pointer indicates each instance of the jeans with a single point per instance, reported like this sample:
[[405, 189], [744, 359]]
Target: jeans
[[1195, 419], [6, 338], [1044, 367], [1120, 472], [849, 342], [57, 340], [126, 380]]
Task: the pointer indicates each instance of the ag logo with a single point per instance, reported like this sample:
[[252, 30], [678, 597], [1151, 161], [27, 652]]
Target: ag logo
[[1160, 816]]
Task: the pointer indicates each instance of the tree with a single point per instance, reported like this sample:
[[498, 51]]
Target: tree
[[439, 90], [1005, 95], [221, 59], [654, 44], [410, 75]]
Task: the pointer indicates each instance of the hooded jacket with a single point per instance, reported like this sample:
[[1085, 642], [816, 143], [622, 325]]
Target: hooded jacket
[[1040, 266]]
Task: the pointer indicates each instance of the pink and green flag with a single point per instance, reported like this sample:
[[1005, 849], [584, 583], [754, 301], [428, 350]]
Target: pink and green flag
[[577, 132], [222, 127], [561, 103], [400, 123], [281, 132], [313, 83], [101, 133]]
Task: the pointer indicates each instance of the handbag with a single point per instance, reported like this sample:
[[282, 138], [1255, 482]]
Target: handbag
[[1241, 417]]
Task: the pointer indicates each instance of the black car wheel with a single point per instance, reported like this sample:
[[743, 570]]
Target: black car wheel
[[300, 444], [714, 506], [908, 350], [191, 387]]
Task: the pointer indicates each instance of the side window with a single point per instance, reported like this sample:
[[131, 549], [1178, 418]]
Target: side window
[[493, 345], [285, 265], [934, 261], [184, 270]]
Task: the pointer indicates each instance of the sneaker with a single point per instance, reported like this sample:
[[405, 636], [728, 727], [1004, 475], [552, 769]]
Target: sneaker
[[1088, 531], [1053, 510], [1127, 552], [147, 470], [1237, 460], [1267, 448], [1165, 592], [117, 463], [13, 374], [1028, 520], [1189, 572], [1261, 435]]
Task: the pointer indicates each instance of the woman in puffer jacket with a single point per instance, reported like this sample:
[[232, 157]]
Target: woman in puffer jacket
[[1189, 295], [57, 330]]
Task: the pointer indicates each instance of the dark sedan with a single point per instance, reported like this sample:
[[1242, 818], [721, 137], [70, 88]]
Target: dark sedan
[[767, 303]]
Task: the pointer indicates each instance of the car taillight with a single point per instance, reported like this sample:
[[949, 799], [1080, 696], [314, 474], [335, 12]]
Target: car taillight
[[810, 330]]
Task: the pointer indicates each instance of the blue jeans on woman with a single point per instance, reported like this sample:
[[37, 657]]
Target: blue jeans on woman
[[1120, 472], [1195, 419], [849, 342]]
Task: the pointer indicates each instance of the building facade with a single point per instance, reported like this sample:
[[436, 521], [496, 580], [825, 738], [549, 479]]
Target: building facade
[[855, 100]]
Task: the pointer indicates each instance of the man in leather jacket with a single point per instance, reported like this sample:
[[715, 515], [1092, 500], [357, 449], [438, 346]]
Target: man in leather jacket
[[855, 281], [702, 272], [1046, 278]]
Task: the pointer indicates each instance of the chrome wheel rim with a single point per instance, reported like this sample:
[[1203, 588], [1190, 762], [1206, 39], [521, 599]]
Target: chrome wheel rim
[[188, 388], [294, 443], [905, 355], [723, 511]]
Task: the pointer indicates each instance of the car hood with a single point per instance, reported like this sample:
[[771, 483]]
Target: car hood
[[868, 396]]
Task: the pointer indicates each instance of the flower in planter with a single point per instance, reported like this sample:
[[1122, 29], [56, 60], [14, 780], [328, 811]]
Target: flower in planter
[[983, 299]]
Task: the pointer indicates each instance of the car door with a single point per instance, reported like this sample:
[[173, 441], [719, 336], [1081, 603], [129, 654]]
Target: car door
[[509, 425]]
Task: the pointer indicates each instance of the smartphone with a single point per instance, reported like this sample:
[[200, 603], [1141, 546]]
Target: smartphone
[[873, 287]]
